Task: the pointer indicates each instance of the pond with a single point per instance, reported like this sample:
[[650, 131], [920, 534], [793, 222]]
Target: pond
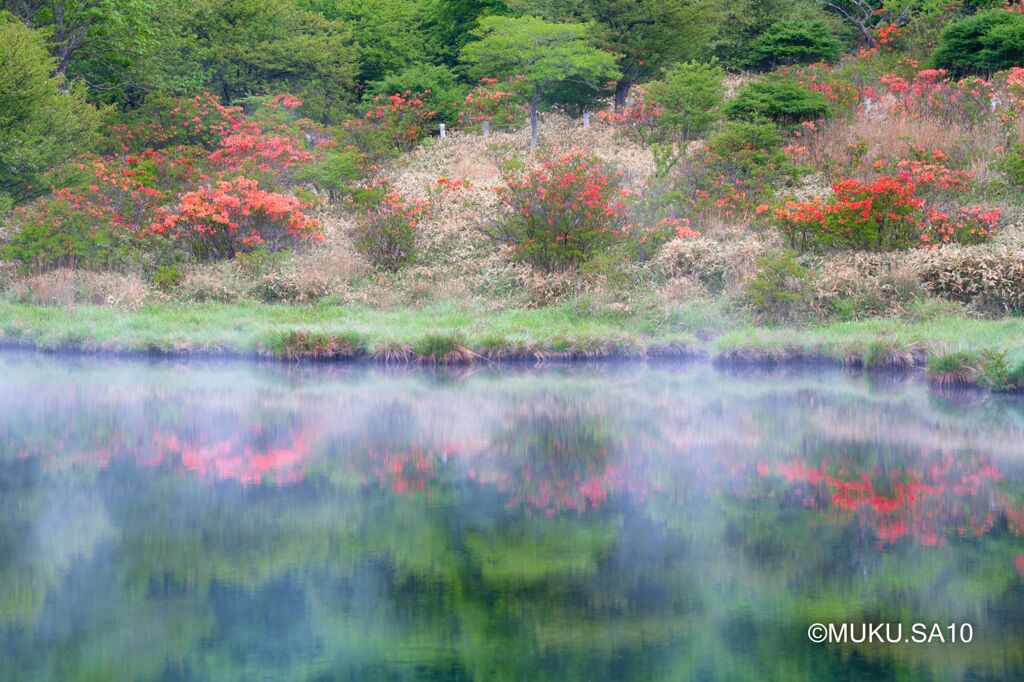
[[166, 520]]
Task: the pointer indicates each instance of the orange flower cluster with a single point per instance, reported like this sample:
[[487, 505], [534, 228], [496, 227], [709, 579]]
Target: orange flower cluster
[[220, 220]]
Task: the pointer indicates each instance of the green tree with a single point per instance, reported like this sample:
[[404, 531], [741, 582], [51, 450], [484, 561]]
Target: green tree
[[388, 34], [794, 42], [543, 52], [744, 21], [776, 99], [647, 35], [867, 15], [440, 84], [43, 120], [690, 97], [982, 43], [97, 28], [255, 47], [121, 49], [449, 25]]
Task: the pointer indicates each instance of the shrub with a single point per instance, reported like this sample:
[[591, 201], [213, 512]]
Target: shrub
[[1011, 164], [639, 120], [689, 96], [982, 43], [884, 214], [390, 124], [751, 151], [562, 213], [932, 93], [881, 215], [103, 225], [235, 216], [168, 122], [780, 290], [794, 42], [439, 84], [776, 99], [336, 172], [572, 207], [386, 232], [497, 102]]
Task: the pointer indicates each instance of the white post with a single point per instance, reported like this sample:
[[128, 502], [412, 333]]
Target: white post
[[586, 120], [867, 104], [487, 128], [443, 133]]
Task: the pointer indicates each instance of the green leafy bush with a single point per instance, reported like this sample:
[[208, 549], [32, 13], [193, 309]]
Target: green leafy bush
[[751, 152], [780, 291], [794, 42], [336, 172], [1012, 164], [982, 43], [386, 232], [776, 99], [67, 231]]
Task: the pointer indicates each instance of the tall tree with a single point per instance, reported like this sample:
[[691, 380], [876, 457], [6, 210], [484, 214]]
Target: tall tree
[[252, 47], [648, 35], [43, 122], [449, 24], [388, 34], [542, 52], [100, 29]]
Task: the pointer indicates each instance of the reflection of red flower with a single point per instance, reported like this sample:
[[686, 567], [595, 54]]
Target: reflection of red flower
[[230, 460], [1019, 562], [924, 505]]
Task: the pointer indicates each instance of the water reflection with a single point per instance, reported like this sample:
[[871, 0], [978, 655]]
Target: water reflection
[[218, 522]]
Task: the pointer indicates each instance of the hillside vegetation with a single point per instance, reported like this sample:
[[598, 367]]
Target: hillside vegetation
[[757, 181]]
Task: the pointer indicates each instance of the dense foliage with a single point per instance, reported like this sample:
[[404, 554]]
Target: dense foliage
[[153, 139]]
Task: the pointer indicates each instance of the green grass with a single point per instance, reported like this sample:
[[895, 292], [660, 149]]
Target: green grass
[[434, 332], [449, 332], [864, 338]]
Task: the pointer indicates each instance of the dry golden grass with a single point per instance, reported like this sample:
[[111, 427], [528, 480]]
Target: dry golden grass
[[891, 137], [69, 287]]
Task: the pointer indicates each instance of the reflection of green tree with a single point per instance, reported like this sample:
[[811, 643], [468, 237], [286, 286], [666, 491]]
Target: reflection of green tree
[[693, 567], [551, 455]]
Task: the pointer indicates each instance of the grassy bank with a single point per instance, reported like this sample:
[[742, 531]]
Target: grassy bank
[[450, 333], [440, 332]]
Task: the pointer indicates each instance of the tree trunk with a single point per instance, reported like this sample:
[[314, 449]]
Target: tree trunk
[[534, 104], [621, 93]]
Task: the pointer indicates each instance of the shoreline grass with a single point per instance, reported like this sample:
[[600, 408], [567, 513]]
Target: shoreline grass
[[449, 334]]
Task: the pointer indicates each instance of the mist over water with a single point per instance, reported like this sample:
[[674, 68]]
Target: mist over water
[[207, 521]]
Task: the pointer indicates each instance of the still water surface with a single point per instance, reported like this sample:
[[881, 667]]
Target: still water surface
[[202, 521]]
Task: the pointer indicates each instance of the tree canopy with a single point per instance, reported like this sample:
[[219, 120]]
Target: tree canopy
[[543, 53], [43, 120]]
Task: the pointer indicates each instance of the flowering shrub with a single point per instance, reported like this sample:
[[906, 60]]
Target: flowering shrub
[[235, 216], [391, 124], [638, 121], [199, 121], [94, 226], [386, 232], [881, 215], [877, 216], [496, 102], [969, 225], [562, 213], [839, 92], [932, 93]]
